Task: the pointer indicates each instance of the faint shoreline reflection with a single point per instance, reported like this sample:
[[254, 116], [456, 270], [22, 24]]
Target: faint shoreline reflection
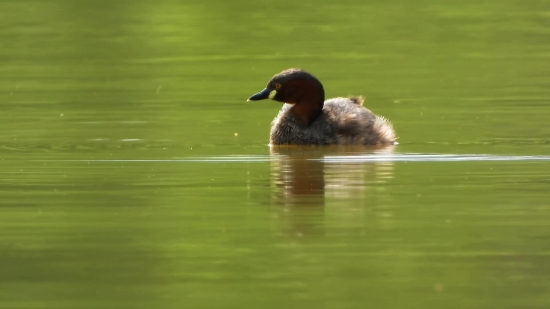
[[302, 181]]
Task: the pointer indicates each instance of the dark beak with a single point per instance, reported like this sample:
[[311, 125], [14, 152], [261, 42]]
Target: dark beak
[[262, 95]]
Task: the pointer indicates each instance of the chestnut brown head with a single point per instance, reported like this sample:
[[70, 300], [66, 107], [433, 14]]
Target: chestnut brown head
[[292, 86]]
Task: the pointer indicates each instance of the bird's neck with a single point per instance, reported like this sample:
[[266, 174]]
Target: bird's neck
[[306, 112], [308, 105]]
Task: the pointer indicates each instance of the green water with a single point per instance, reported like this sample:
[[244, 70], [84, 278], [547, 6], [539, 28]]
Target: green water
[[134, 174]]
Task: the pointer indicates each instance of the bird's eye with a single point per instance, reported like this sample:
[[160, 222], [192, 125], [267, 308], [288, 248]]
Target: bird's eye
[[277, 86]]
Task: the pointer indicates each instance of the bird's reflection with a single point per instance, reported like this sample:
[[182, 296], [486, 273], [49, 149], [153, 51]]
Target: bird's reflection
[[303, 183]]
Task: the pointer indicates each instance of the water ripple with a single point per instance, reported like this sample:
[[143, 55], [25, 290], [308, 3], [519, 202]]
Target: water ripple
[[412, 157]]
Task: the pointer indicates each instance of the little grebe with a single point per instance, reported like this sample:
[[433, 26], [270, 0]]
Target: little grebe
[[307, 119]]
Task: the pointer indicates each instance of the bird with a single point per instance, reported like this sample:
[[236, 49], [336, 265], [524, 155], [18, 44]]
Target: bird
[[307, 119]]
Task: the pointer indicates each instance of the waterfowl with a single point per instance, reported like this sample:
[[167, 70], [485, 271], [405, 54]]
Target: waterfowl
[[307, 119]]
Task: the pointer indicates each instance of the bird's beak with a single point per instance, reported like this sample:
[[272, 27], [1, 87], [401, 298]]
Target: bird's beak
[[262, 95]]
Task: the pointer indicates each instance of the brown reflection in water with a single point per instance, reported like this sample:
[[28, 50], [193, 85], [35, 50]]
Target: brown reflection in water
[[301, 183]]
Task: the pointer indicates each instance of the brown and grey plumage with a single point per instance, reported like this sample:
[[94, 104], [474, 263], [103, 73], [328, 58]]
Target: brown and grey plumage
[[307, 119]]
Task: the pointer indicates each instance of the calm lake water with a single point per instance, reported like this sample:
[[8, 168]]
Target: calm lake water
[[134, 174]]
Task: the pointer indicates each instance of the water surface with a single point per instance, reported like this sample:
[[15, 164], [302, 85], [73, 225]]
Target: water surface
[[135, 174]]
